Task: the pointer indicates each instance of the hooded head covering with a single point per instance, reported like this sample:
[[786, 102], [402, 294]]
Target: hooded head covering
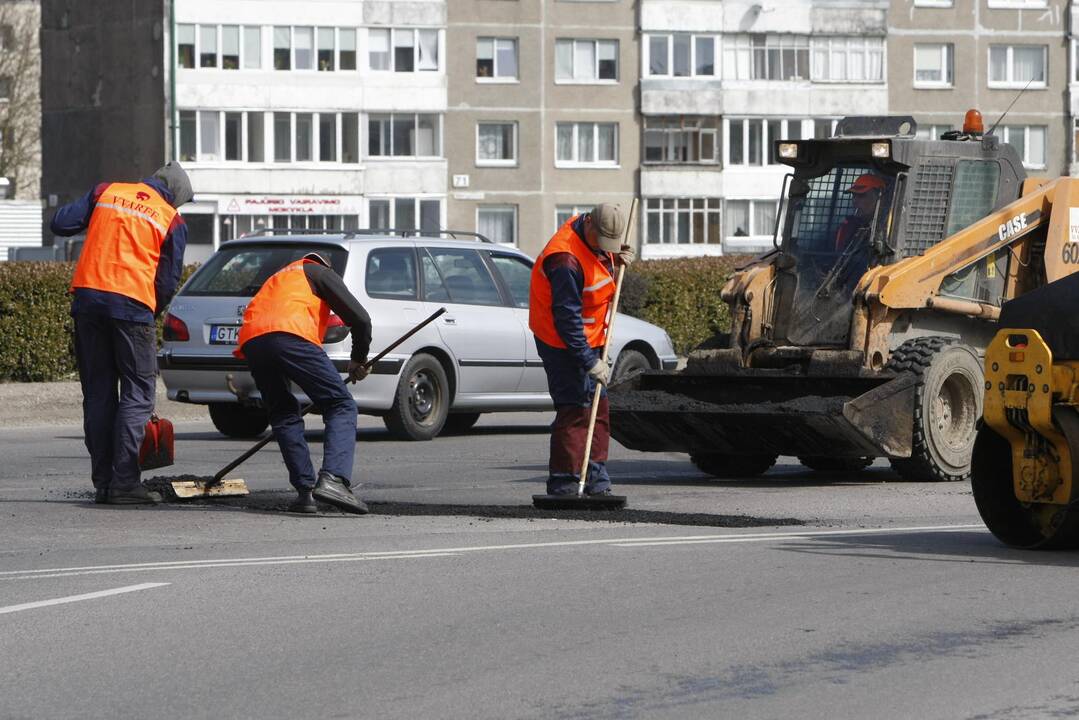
[[177, 181]]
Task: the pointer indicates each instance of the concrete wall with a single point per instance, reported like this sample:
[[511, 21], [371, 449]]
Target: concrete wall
[[104, 87]]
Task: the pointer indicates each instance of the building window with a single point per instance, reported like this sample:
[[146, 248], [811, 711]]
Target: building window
[[933, 65], [350, 137], [7, 37], [303, 43], [681, 221], [282, 48], [209, 136], [404, 135], [412, 50], [750, 141], [847, 59], [252, 48], [934, 3], [326, 57], [496, 143], [256, 137], [233, 136], [282, 137], [1028, 141], [586, 144], [207, 46], [327, 137], [1075, 140], [188, 136], [346, 54], [185, 46], [1014, 66], [681, 139], [680, 55], [932, 132], [766, 57], [1017, 4], [586, 61], [746, 219], [405, 213], [497, 223], [230, 47], [496, 59], [305, 128], [563, 213]]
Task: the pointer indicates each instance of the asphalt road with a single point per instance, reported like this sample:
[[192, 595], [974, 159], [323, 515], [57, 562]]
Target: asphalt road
[[792, 596]]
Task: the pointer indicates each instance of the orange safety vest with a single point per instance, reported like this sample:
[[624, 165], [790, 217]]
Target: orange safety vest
[[123, 242], [595, 297], [285, 303]]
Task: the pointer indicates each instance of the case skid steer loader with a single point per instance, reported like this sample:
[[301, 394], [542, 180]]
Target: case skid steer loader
[[861, 335], [1025, 468]]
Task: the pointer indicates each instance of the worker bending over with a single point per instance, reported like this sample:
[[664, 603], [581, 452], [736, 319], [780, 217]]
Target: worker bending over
[[128, 271], [281, 337], [572, 288]]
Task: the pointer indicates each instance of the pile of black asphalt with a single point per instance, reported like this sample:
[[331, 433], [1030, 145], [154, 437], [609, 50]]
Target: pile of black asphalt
[[277, 500]]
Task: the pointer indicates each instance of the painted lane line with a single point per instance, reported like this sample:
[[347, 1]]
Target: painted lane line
[[445, 552], [79, 598], [230, 564]]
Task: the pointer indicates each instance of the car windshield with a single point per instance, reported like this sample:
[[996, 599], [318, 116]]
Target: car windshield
[[239, 271]]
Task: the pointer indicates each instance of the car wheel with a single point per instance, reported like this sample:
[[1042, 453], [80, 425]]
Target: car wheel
[[421, 402], [237, 421], [630, 361], [460, 422]]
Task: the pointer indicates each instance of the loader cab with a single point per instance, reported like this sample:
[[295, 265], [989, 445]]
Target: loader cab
[[872, 195]]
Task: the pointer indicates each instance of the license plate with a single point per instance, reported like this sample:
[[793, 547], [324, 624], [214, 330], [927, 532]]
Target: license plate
[[224, 334]]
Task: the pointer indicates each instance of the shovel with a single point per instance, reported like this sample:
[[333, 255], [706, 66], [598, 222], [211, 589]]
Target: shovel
[[218, 486]]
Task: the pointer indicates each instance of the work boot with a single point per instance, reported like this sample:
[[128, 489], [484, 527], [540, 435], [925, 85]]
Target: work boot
[[136, 495], [335, 491], [101, 496], [304, 504]]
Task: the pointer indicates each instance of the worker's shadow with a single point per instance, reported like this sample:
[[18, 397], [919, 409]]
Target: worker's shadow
[[939, 546], [677, 472]]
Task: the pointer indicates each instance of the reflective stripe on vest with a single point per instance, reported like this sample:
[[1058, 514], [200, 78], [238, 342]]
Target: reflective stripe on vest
[[285, 303], [123, 242], [595, 296]]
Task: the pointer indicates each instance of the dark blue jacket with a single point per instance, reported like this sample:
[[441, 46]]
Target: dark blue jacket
[[74, 218]]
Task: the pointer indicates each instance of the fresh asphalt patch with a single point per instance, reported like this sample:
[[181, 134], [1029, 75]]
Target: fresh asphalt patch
[[276, 501]]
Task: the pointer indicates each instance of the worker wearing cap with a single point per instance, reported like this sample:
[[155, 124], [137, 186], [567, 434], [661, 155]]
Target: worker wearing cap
[[127, 272], [281, 338], [864, 192], [571, 290]]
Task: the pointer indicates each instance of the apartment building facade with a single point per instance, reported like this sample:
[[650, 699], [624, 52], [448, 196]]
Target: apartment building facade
[[542, 117], [952, 55]]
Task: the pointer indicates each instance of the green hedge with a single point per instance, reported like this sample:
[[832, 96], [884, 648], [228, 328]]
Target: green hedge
[[36, 329], [681, 296]]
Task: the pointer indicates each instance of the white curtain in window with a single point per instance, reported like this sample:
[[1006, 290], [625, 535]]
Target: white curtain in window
[[563, 60], [737, 217], [584, 60], [682, 55], [875, 60], [764, 217], [428, 50], [1036, 146], [928, 63], [1016, 137], [657, 55], [304, 39], [378, 214], [496, 224], [507, 58], [1027, 61], [210, 140], [605, 148], [998, 63], [586, 142], [819, 70], [427, 136], [564, 142], [491, 143], [378, 44]]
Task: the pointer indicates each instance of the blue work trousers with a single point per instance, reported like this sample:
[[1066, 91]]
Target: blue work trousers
[[117, 369], [276, 359], [571, 390]]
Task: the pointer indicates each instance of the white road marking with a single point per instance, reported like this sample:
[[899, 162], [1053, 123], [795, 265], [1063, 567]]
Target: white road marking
[[454, 551], [79, 598]]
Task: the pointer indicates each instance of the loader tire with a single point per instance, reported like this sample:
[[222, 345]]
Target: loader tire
[[822, 463], [236, 421], [947, 407], [732, 467]]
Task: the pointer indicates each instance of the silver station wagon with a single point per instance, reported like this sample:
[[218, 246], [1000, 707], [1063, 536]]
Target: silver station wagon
[[476, 358]]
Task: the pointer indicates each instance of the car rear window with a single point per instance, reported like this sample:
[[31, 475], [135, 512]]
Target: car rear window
[[241, 270]]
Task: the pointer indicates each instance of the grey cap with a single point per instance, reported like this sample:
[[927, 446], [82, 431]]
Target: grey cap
[[609, 223], [177, 181], [317, 258]]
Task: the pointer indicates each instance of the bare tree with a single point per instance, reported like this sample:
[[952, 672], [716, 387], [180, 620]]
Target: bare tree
[[20, 97]]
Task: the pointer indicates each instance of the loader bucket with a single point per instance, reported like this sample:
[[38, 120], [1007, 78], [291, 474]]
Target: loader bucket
[[759, 411]]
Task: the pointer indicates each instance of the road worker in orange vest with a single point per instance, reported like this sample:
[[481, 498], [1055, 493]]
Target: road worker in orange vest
[[281, 338], [571, 290], [127, 273]]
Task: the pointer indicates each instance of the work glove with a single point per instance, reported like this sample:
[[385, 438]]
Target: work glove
[[357, 371], [625, 256], [599, 372]]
